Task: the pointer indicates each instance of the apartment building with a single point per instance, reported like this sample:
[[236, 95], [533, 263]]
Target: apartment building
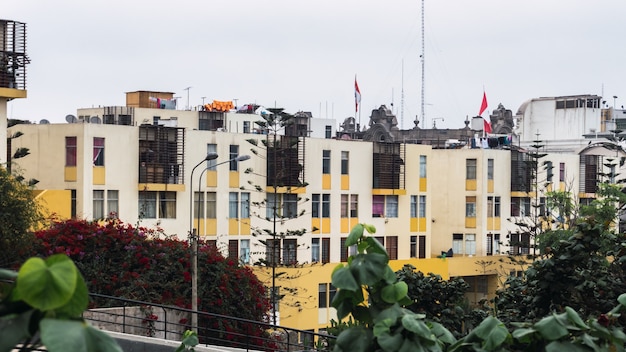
[[452, 212]]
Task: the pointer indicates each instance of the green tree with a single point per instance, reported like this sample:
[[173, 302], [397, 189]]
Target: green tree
[[19, 215]]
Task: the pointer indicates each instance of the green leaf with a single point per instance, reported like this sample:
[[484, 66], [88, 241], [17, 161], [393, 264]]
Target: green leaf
[[355, 339], [370, 228], [7, 274], [559, 346], [418, 327], [383, 327], [73, 335], [342, 279], [550, 328], [14, 329], [368, 268], [389, 342], [373, 246], [622, 299], [79, 301], [355, 234], [395, 292], [47, 285], [493, 333], [575, 318], [524, 335], [443, 334]]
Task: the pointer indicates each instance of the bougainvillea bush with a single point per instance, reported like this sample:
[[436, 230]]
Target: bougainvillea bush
[[123, 260]]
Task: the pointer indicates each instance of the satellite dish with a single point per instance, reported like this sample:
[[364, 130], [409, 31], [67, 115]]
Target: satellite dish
[[71, 119], [95, 119], [44, 122]]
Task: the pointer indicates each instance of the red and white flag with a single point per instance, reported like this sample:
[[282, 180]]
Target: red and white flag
[[483, 107], [357, 95]]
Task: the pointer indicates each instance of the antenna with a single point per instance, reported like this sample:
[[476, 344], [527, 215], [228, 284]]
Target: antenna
[[423, 59], [44, 122], [71, 119], [187, 89], [95, 119]]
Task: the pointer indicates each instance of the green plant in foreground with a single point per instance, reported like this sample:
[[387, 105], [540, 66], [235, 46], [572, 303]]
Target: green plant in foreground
[[385, 324], [44, 307], [190, 341]]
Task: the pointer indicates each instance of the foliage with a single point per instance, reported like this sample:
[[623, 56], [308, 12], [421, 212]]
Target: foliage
[[586, 272], [19, 214], [44, 307], [118, 259], [440, 300], [384, 324], [190, 340]]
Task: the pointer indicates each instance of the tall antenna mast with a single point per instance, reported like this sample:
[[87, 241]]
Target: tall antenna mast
[[423, 59], [402, 99]]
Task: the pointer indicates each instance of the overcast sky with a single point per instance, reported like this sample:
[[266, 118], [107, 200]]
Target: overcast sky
[[304, 55]]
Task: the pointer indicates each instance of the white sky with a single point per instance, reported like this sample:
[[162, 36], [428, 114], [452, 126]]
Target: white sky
[[304, 55]]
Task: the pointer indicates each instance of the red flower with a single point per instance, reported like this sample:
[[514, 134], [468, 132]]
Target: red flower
[[603, 320]]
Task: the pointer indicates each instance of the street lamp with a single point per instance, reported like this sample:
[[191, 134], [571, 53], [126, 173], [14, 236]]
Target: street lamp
[[194, 251], [193, 243]]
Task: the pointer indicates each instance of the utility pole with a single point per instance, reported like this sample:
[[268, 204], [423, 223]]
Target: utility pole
[[187, 89]]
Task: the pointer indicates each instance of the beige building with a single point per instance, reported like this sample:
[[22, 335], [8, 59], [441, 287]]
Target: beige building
[[136, 162]]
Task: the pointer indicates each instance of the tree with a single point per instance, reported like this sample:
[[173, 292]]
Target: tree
[[586, 272], [120, 260], [19, 215], [284, 171]]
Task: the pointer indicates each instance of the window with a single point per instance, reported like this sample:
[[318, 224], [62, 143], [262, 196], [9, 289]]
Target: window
[[470, 207], [234, 153], [562, 172], [245, 205], [290, 247], [413, 206], [344, 206], [70, 151], [548, 167], [493, 207], [470, 169], [345, 161], [391, 209], [421, 253], [422, 207], [98, 204], [233, 205], [354, 205], [378, 206], [490, 169], [233, 250], [326, 161], [113, 200], [211, 149], [272, 252], [315, 250], [328, 133], [211, 205], [315, 205], [322, 301], [167, 205], [244, 252], [325, 250], [542, 206], [493, 244], [73, 203], [246, 127], [325, 205], [98, 151], [198, 206], [391, 245], [286, 205], [422, 166], [413, 247], [344, 250], [147, 205], [457, 243], [470, 244]]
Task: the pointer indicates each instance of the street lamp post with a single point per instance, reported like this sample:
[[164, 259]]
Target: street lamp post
[[194, 251], [193, 243]]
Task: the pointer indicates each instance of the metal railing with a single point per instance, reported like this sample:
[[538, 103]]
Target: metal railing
[[170, 322]]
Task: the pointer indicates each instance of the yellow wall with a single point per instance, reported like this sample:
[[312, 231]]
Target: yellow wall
[[56, 202]]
